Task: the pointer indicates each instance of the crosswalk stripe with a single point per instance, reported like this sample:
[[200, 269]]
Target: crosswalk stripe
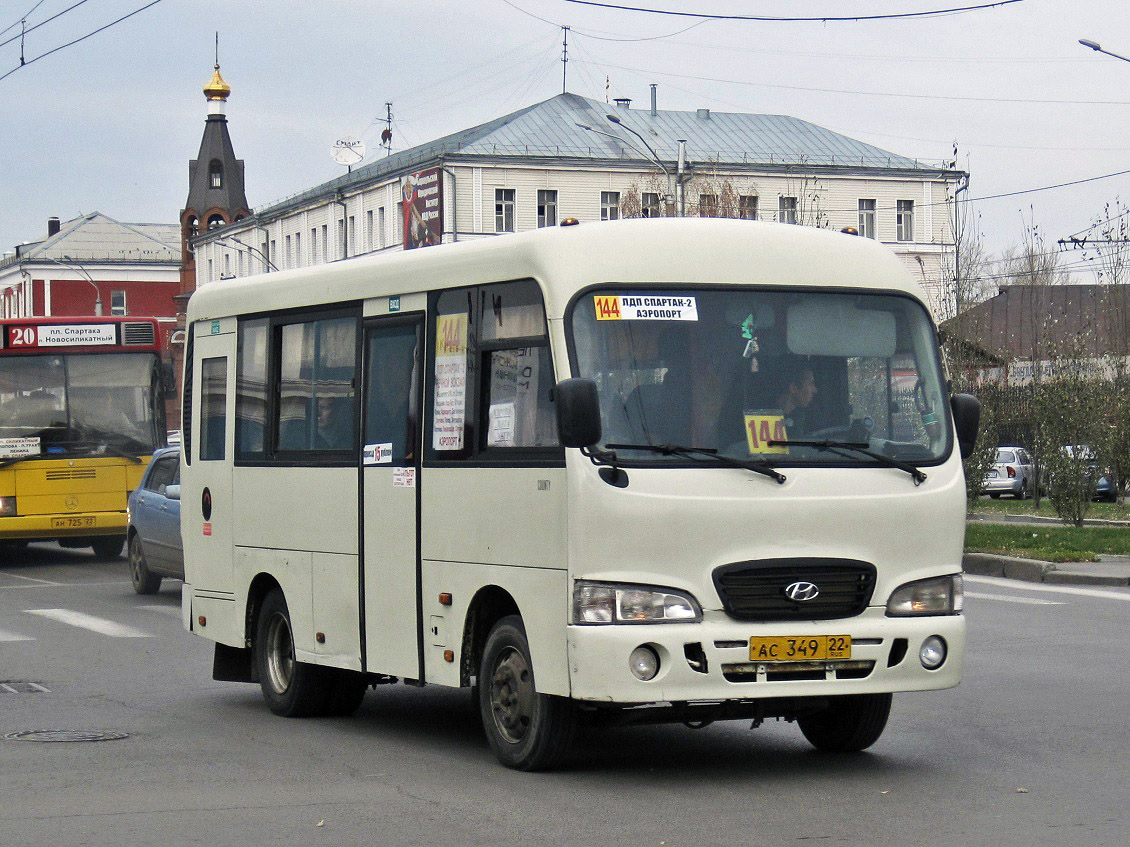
[[99, 625], [5, 635], [171, 611]]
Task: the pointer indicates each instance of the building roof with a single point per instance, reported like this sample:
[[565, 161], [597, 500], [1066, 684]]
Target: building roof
[[1038, 322], [554, 131], [96, 238]]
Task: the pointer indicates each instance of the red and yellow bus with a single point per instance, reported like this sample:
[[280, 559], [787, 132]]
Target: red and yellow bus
[[81, 411]]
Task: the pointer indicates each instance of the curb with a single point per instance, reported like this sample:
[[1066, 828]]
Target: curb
[[1033, 570]]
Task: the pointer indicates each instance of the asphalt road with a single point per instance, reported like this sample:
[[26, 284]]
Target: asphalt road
[[1030, 750]]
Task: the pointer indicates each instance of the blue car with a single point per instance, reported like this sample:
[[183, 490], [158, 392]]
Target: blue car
[[153, 536]]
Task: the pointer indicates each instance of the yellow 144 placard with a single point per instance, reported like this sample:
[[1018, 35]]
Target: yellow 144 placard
[[763, 427]]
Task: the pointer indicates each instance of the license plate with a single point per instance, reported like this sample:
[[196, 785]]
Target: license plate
[[72, 523], [789, 648]]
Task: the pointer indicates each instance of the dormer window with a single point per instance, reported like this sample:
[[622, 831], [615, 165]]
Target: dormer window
[[216, 174]]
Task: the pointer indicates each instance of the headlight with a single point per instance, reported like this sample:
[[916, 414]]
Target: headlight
[[7, 506], [937, 596], [607, 603]]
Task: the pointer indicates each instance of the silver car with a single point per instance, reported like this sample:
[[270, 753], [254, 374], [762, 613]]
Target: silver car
[[1011, 473]]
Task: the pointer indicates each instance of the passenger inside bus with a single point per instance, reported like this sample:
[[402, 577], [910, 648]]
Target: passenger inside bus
[[797, 388], [334, 429]]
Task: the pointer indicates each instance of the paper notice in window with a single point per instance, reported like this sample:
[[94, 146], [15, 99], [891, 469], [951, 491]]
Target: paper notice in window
[[450, 406]]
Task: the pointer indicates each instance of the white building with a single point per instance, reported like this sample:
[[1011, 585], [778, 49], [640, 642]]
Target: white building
[[570, 156]]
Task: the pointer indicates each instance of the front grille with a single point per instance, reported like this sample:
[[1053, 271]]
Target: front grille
[[77, 473], [138, 333], [755, 591]]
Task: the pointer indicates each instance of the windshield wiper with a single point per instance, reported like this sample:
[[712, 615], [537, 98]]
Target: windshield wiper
[[858, 447], [756, 465]]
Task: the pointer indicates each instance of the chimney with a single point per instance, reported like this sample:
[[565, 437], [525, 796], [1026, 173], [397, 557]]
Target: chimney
[[703, 114], [654, 110], [52, 227], [622, 102]]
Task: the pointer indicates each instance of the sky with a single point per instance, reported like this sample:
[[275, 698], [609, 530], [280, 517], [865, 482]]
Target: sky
[[109, 123]]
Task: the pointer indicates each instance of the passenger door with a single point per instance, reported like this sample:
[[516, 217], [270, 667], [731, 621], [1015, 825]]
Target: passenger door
[[390, 496]]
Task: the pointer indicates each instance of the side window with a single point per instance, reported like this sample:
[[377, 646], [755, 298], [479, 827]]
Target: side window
[[491, 376], [316, 407], [251, 390], [162, 475], [213, 408], [392, 357]]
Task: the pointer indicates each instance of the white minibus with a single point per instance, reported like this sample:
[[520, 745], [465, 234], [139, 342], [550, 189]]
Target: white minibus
[[607, 473]]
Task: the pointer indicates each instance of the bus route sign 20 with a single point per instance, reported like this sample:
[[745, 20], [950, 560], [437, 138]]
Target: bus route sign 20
[[62, 335]]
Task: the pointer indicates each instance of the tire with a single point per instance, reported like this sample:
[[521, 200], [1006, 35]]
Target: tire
[[849, 724], [291, 688], [346, 691], [108, 546], [995, 495], [528, 731], [144, 581]]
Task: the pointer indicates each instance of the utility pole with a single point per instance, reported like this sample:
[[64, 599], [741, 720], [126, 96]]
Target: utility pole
[[564, 57]]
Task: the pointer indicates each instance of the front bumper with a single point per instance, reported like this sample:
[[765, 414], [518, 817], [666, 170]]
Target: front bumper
[[709, 661]]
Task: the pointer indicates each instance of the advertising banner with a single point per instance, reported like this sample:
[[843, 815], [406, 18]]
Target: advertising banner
[[423, 208]]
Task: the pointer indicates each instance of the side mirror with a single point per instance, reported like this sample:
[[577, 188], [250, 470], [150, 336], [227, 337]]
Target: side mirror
[[168, 379], [966, 419], [172, 492], [578, 412]]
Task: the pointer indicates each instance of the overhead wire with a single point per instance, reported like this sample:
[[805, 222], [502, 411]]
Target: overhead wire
[[791, 19], [77, 40], [41, 23], [23, 18]]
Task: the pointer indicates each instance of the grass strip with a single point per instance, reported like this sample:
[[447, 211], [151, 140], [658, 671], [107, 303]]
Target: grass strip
[[1047, 543]]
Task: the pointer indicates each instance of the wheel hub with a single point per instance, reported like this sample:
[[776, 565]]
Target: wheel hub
[[512, 695]]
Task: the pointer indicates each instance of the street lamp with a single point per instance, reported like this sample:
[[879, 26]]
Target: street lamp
[[654, 156], [82, 272], [1094, 45]]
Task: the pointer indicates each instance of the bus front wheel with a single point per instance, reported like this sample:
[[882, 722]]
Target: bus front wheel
[[291, 688], [848, 724], [527, 730]]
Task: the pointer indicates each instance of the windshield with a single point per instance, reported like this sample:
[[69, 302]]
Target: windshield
[[740, 370], [63, 404]]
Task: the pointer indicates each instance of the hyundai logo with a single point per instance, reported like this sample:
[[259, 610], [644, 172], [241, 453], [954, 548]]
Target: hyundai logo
[[801, 591]]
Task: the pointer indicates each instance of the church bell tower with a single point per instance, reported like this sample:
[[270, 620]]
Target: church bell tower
[[216, 194]]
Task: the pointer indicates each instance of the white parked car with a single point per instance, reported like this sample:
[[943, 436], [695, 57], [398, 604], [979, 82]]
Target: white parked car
[[1011, 473]]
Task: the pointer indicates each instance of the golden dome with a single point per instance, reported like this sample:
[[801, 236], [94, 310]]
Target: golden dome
[[217, 89]]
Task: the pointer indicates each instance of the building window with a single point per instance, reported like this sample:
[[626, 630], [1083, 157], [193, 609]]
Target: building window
[[216, 221], [326, 244], [609, 205], [268, 252], [747, 207], [215, 174], [381, 232], [904, 220], [547, 208], [351, 245], [289, 261], [786, 210], [867, 218], [117, 303], [649, 205], [298, 250], [708, 205], [504, 210], [313, 245], [369, 243]]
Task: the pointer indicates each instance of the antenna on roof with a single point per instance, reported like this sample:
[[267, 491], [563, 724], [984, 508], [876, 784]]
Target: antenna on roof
[[564, 57], [386, 133]]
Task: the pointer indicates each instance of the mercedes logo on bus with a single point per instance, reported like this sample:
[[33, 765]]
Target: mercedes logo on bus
[[801, 591]]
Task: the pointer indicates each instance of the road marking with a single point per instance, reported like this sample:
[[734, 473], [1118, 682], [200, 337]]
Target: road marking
[[28, 578], [5, 635], [1033, 601], [99, 625], [1000, 582]]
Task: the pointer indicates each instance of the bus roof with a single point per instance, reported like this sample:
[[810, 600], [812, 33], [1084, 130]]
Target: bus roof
[[565, 259]]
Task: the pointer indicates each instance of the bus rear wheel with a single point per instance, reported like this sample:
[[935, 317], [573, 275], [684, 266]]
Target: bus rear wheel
[[527, 730], [108, 546], [848, 724], [291, 688]]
